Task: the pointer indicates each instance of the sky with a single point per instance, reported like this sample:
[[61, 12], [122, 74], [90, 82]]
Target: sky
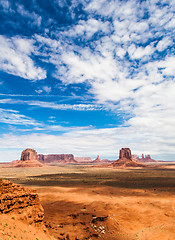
[[87, 77]]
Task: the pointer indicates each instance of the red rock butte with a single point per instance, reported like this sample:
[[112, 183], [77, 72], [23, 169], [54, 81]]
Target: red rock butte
[[28, 154], [125, 160], [28, 159], [125, 153], [97, 160]]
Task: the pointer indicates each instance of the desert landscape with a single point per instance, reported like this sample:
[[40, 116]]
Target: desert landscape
[[87, 132], [119, 200]]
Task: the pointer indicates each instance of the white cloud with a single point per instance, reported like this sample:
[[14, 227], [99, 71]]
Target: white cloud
[[164, 43], [120, 52], [9, 116], [88, 28], [35, 19], [47, 89], [23, 45], [15, 59], [140, 52], [56, 106], [90, 142], [170, 24], [5, 5], [168, 66]]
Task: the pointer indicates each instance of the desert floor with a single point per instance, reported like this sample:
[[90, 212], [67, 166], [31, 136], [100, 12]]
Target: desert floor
[[85, 202]]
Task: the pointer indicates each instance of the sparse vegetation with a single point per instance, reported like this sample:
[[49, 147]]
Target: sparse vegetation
[[111, 192]]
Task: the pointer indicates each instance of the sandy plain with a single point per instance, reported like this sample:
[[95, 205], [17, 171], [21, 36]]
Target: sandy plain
[[85, 202]]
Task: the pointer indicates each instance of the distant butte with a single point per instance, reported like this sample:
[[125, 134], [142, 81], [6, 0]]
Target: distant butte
[[125, 160], [97, 160], [143, 159], [28, 159]]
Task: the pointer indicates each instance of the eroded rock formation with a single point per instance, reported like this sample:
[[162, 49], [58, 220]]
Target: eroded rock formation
[[28, 159], [97, 160], [56, 158], [28, 154], [125, 153], [22, 202], [143, 159], [125, 160]]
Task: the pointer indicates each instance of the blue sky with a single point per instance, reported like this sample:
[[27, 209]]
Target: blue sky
[[87, 77]]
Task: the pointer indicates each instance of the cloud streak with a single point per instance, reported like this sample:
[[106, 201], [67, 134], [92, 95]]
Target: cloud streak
[[13, 117]]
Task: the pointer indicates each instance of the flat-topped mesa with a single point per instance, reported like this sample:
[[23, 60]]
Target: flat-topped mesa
[[28, 154], [56, 158], [125, 153], [83, 159]]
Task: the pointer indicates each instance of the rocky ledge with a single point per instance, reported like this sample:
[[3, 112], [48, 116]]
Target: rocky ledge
[[21, 202]]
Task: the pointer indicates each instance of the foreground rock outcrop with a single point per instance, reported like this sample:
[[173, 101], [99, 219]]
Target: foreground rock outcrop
[[125, 160], [28, 159], [20, 201], [56, 158]]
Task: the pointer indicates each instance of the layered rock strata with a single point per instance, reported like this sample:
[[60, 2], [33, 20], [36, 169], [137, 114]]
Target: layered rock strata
[[28, 159], [83, 159], [56, 158], [125, 160], [20, 201]]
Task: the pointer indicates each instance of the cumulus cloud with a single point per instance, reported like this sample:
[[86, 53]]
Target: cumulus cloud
[[140, 52], [88, 28], [15, 58], [164, 43]]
